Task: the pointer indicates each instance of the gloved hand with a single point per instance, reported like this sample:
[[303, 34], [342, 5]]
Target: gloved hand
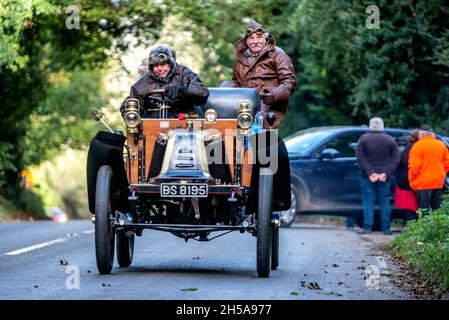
[[173, 91], [267, 96]]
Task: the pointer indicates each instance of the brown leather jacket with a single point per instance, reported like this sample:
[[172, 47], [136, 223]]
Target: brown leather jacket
[[271, 69]]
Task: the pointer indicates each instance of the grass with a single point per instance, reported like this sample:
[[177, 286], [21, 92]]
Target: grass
[[424, 245]]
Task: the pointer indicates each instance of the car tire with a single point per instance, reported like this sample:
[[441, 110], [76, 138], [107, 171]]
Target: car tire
[[288, 216], [125, 249], [264, 229], [275, 247], [104, 232]]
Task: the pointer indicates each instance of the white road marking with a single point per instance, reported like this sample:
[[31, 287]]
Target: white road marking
[[36, 246], [89, 231]]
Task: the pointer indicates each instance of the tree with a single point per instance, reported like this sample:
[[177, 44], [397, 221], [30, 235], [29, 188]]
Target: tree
[[41, 45]]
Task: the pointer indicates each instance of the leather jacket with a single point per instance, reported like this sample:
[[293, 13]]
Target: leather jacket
[[271, 69], [195, 92]]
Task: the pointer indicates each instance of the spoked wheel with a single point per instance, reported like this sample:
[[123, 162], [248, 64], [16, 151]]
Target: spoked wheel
[[104, 232], [288, 216], [125, 249], [275, 247], [264, 229]]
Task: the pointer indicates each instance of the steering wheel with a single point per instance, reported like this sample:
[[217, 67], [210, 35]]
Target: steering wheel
[[157, 97]]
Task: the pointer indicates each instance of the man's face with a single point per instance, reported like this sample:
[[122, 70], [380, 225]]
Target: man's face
[[161, 70], [256, 43]]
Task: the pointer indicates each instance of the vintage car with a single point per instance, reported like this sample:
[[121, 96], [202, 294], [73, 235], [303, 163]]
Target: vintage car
[[190, 177]]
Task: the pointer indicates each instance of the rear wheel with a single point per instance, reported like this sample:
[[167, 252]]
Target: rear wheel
[[264, 229], [125, 249], [275, 248], [104, 232]]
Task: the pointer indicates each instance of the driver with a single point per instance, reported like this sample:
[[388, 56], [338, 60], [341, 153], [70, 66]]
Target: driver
[[182, 85]]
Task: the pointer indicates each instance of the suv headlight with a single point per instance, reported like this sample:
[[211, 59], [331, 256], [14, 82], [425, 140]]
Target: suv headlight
[[132, 120]]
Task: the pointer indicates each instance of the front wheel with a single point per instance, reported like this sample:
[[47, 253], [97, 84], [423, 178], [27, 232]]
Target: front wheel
[[275, 248], [104, 232], [264, 229]]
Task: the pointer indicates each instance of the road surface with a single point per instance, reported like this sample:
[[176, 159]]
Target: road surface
[[48, 260]]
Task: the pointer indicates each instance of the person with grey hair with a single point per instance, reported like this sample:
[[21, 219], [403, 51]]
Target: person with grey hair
[[428, 165], [378, 156], [262, 65]]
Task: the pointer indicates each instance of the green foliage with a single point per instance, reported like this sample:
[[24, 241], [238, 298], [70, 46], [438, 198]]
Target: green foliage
[[425, 246], [31, 203], [36, 45], [6, 162], [62, 120], [350, 73]]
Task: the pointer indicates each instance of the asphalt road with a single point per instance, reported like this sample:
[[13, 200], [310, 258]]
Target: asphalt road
[[41, 260]]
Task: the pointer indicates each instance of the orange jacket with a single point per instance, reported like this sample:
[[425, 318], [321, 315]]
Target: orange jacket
[[428, 164]]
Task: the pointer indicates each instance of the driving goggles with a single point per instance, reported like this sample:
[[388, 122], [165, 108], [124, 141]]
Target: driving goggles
[[259, 31], [160, 58]]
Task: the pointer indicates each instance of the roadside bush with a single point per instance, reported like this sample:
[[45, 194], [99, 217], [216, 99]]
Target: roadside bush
[[31, 204], [424, 245]]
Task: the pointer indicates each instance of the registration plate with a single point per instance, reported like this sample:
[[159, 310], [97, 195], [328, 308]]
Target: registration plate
[[184, 190]]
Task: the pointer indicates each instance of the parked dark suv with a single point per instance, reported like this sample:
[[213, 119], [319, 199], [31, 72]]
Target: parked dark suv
[[325, 173]]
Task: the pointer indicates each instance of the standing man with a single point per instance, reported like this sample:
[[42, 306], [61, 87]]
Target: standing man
[[261, 65], [378, 157], [428, 165], [181, 85]]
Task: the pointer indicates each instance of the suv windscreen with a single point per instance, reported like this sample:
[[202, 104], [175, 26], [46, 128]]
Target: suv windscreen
[[306, 141]]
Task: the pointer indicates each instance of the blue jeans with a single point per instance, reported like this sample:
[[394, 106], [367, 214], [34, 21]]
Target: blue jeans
[[371, 191]]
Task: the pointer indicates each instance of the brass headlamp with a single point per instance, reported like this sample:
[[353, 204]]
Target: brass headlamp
[[244, 119], [132, 117]]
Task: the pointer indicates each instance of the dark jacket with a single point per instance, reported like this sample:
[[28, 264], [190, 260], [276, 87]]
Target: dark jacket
[[195, 91], [271, 69], [377, 152], [401, 173]]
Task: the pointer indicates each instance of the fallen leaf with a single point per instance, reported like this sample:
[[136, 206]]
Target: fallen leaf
[[335, 265], [36, 286], [314, 286], [294, 293], [195, 258], [63, 262], [105, 285]]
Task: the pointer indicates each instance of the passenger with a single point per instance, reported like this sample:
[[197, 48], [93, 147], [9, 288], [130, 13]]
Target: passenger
[[428, 165], [182, 85], [261, 65], [404, 196], [143, 68], [378, 156]]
